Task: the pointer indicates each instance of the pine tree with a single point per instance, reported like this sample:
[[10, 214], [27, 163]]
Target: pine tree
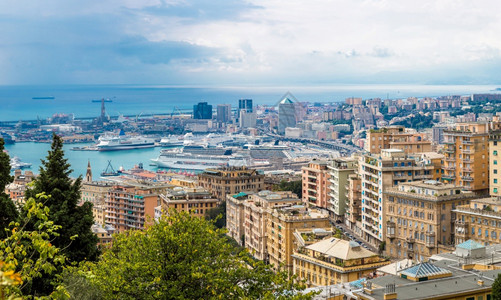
[[76, 238], [7, 207], [496, 288]]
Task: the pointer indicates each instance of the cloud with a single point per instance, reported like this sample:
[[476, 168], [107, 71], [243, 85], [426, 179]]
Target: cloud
[[254, 41]]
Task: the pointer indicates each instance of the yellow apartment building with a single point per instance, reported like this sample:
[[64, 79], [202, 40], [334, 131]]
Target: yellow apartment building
[[466, 161], [479, 220], [255, 219], [495, 163], [282, 223], [230, 181], [333, 261], [420, 218], [397, 137], [195, 201], [381, 172]]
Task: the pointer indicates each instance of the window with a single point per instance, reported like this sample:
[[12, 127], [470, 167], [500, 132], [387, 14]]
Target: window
[[495, 152], [495, 171], [495, 162], [473, 230], [495, 180], [495, 190], [486, 233]]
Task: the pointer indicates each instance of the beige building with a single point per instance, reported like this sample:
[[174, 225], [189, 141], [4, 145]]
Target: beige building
[[339, 171], [282, 222], [397, 137], [256, 210], [333, 261], [230, 181], [352, 216], [479, 220], [235, 216], [467, 156], [380, 172], [420, 218], [17, 188], [195, 201], [315, 184]]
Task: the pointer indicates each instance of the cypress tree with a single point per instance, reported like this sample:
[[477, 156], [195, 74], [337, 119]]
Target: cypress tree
[[8, 209], [76, 238]]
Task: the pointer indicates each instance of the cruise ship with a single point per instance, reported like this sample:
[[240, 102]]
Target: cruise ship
[[189, 161], [123, 142]]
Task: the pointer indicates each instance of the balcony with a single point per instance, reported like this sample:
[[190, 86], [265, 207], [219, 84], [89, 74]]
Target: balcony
[[468, 151], [430, 239], [467, 178], [390, 230], [467, 170], [450, 168], [449, 177], [409, 240], [468, 160], [449, 142], [450, 159], [467, 142], [451, 151]]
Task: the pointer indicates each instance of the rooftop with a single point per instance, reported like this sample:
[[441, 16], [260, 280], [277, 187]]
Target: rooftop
[[340, 249], [470, 245]]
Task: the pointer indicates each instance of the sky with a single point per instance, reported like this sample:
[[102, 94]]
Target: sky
[[254, 42]]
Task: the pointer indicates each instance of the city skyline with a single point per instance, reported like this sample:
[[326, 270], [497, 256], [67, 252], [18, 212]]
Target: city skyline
[[249, 42]]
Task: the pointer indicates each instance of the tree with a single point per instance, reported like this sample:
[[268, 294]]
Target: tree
[[293, 186], [496, 288], [64, 196], [217, 215], [7, 207], [183, 257], [26, 255], [76, 239]]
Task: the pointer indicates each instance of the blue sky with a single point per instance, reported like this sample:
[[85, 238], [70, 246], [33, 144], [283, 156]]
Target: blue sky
[[251, 42]]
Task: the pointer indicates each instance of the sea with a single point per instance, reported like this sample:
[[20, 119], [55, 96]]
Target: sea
[[17, 104]]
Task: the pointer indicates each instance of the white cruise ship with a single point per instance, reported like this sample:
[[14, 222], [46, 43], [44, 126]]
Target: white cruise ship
[[123, 142], [189, 161]]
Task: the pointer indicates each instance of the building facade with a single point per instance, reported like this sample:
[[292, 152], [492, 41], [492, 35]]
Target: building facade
[[479, 220], [495, 163], [282, 222], [380, 172], [223, 113], [420, 218], [230, 181], [315, 184], [397, 137], [467, 156], [286, 115], [339, 171], [333, 261], [194, 201], [202, 110]]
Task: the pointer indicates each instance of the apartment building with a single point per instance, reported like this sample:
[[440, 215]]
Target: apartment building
[[479, 220], [315, 184], [194, 201], [333, 261], [467, 156], [128, 207], [397, 137], [282, 222], [255, 219], [495, 163], [352, 216], [235, 216], [339, 171], [230, 181], [383, 171], [17, 188], [420, 218]]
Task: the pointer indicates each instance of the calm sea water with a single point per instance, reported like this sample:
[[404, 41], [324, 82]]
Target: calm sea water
[[33, 152], [16, 103]]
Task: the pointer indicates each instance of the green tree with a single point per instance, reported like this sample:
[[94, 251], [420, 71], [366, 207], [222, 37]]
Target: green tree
[[496, 288], [76, 240], [183, 257], [217, 215], [26, 255], [7, 207], [292, 186]]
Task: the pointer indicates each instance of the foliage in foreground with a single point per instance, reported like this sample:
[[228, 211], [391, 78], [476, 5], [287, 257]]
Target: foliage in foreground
[[26, 255], [180, 257], [8, 211]]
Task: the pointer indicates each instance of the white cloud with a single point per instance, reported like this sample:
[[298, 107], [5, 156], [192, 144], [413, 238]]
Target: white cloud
[[292, 40]]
